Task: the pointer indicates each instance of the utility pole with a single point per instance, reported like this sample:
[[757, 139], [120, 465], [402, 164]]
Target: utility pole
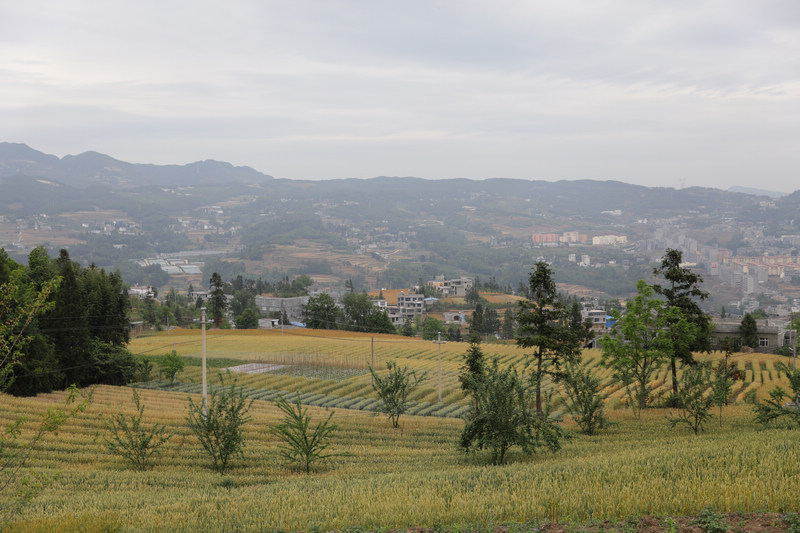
[[439, 341], [372, 349], [205, 382]]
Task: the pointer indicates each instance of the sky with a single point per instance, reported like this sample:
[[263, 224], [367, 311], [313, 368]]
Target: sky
[[672, 93]]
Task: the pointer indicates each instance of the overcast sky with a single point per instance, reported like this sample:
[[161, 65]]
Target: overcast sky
[[660, 93]]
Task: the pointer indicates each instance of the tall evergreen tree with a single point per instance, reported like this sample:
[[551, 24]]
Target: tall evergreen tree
[[683, 291], [749, 331], [217, 303], [544, 326]]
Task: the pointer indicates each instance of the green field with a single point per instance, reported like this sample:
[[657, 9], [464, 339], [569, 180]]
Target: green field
[[412, 476]]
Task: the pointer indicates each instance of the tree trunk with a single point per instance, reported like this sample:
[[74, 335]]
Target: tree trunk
[[674, 379], [539, 381]]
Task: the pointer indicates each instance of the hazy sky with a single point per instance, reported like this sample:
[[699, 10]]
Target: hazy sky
[[667, 93]]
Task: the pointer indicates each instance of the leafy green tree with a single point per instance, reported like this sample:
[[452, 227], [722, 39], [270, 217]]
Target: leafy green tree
[[242, 299], [299, 443], [247, 320], [378, 321], [683, 291], [501, 416], [14, 454], [408, 329], [321, 312], [431, 328], [639, 343], [473, 297], [171, 365], [357, 308], [135, 442], [394, 388], [454, 333], [21, 301], [693, 401], [491, 322], [776, 407], [220, 431], [473, 371], [508, 324], [217, 302], [749, 331], [583, 399], [477, 323], [544, 326]]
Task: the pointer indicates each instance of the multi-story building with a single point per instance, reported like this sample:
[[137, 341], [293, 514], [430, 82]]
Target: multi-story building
[[410, 305], [457, 288]]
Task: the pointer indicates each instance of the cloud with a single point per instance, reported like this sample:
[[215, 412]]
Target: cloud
[[643, 92]]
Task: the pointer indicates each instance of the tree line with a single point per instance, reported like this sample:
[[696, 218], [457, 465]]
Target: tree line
[[78, 333]]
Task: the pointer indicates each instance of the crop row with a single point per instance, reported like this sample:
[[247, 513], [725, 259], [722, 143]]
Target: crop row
[[399, 478]]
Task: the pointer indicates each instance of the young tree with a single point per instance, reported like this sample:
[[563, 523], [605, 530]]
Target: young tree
[[14, 455], [694, 402], [220, 431], [544, 326], [508, 324], [749, 331], [473, 372], [639, 342], [299, 443], [682, 292], [394, 389], [217, 302], [501, 416], [135, 442], [583, 399], [775, 407], [171, 365]]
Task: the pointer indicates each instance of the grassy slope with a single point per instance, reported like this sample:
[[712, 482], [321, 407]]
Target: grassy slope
[[399, 478]]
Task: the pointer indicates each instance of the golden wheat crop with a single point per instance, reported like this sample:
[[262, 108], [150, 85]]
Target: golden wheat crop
[[414, 476]]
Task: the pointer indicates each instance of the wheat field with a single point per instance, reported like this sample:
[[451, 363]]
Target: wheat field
[[392, 478]]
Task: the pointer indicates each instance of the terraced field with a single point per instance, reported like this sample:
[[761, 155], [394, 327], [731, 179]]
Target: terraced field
[[330, 368], [412, 476]]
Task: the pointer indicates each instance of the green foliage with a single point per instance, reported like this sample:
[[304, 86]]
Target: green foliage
[[431, 328], [544, 325], [220, 428], [20, 486], [217, 303], [144, 367], [775, 407], [502, 416], [394, 389], [321, 312], [639, 343], [682, 291], [583, 399], [711, 521], [749, 331], [135, 442], [299, 443], [247, 320], [473, 371], [21, 301], [170, 365], [694, 401]]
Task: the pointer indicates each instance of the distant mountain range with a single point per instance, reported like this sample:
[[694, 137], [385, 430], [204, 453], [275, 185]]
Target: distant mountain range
[[93, 168], [35, 182]]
